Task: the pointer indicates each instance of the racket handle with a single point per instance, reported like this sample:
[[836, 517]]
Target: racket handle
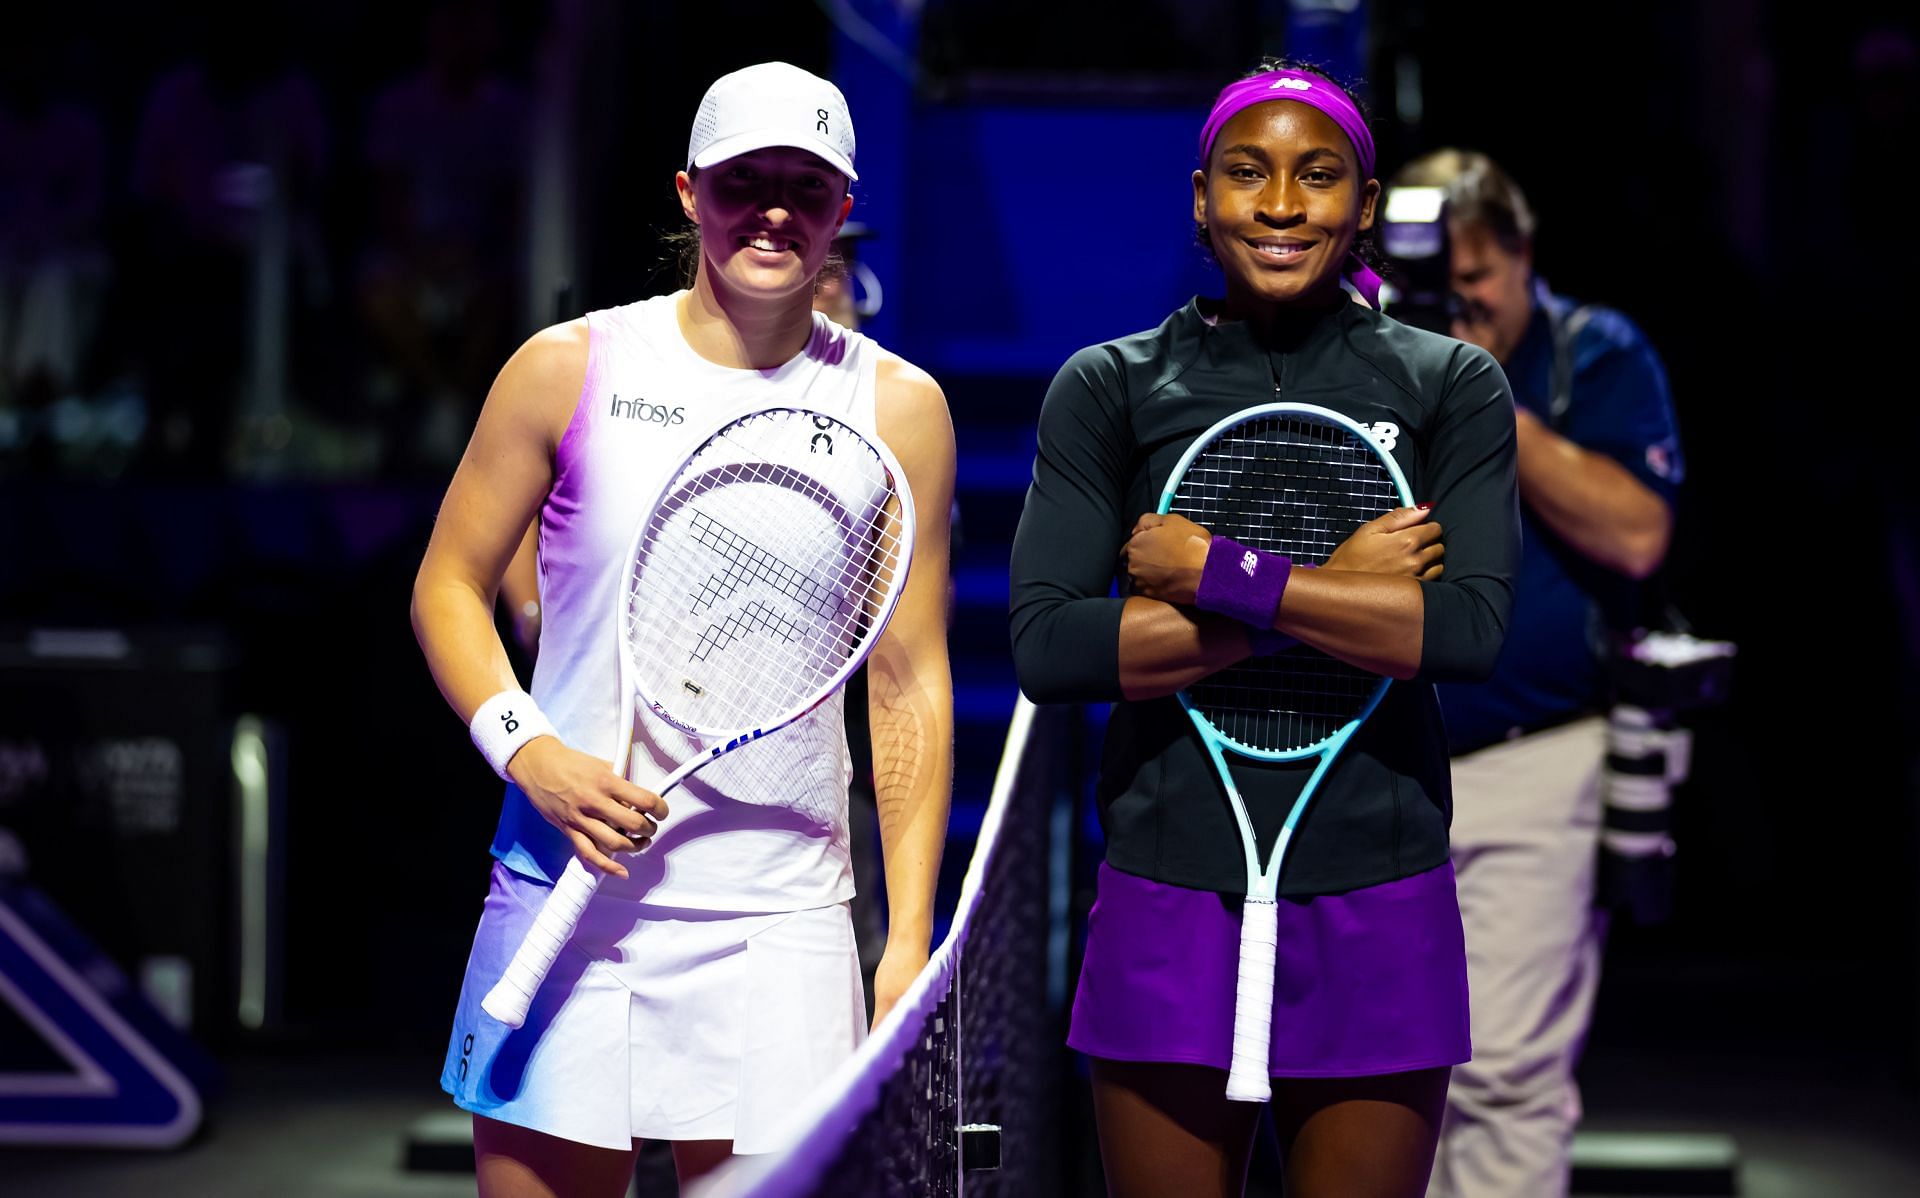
[[551, 929], [1247, 1080]]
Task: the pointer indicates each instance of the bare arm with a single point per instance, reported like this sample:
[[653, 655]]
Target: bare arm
[[1591, 501], [1165, 648], [1374, 621], [910, 684], [495, 492], [1364, 607], [520, 590], [499, 484]]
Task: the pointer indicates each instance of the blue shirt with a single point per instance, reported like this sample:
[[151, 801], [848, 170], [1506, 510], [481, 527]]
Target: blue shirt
[[1550, 668]]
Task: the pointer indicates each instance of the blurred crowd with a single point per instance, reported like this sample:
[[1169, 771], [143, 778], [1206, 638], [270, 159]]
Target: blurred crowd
[[280, 241], [236, 271]]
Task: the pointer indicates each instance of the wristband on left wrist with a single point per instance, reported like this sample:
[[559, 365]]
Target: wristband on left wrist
[[1242, 582]]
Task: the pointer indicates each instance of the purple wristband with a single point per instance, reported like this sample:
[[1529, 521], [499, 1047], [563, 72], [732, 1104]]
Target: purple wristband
[[1264, 642], [1242, 582]]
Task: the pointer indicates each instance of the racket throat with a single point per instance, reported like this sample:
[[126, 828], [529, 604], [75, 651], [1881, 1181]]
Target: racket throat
[[1277, 861], [1263, 873]]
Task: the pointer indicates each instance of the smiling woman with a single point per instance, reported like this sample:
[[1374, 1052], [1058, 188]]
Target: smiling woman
[[1332, 168], [767, 217], [1369, 993], [713, 979]]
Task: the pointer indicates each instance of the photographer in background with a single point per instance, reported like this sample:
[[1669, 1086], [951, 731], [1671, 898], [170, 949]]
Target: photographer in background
[[1599, 461]]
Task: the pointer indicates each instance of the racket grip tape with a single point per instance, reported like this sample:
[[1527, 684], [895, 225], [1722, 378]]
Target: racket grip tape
[[1247, 1079], [512, 995]]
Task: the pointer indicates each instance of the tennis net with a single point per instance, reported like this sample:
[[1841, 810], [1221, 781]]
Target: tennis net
[[957, 1091]]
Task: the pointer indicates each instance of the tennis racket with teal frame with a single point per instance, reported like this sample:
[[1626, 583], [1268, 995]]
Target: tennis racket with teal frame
[[1295, 479]]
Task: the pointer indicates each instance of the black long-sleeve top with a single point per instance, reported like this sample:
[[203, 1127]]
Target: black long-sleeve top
[[1116, 419]]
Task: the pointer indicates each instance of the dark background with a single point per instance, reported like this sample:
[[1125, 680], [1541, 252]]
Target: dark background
[[1734, 176]]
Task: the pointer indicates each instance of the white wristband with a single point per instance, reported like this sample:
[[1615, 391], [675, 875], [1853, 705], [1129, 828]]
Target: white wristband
[[504, 723]]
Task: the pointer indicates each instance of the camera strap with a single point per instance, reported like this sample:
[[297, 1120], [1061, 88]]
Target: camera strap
[[1565, 329], [1654, 604]]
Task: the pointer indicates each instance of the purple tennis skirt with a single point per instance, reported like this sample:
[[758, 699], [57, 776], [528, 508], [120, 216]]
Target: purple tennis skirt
[[1367, 982]]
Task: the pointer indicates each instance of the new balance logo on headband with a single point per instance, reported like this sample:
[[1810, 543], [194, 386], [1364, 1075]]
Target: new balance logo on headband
[[1292, 85]]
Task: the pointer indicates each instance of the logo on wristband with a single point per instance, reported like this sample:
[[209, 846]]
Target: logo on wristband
[[1250, 562], [509, 723]]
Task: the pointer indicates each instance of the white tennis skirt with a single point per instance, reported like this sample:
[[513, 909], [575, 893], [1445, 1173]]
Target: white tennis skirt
[[658, 1023]]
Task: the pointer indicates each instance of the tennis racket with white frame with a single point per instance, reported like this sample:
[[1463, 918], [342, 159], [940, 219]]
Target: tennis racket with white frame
[[760, 578], [1295, 479]]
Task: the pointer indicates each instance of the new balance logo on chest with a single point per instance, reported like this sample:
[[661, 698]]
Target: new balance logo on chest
[[646, 413]]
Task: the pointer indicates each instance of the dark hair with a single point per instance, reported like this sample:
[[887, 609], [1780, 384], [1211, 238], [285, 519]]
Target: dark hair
[[681, 253], [1478, 193], [1363, 245]]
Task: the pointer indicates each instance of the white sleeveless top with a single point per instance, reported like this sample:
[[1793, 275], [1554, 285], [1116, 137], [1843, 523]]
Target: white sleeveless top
[[763, 828]]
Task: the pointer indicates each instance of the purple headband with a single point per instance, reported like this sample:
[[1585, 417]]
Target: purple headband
[[1315, 92]]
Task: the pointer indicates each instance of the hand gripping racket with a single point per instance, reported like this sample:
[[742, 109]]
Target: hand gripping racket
[[1295, 479], [760, 578]]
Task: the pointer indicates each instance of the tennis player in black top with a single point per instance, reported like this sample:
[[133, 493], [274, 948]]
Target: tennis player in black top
[[1370, 991]]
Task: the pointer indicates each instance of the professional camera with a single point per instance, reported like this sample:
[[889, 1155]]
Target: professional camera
[[1655, 676], [1670, 668], [1413, 235], [1647, 755]]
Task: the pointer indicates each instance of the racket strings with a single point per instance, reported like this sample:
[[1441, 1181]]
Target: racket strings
[[1288, 701], [742, 670], [1299, 486], [760, 575], [748, 562], [754, 617], [877, 515]]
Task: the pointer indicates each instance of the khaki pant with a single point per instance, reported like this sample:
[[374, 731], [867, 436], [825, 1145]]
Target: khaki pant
[[1526, 826]]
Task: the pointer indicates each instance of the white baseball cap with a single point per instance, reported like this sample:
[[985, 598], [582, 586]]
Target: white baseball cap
[[772, 104]]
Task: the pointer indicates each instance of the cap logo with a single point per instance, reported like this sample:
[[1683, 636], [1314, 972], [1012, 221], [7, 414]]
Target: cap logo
[[772, 104], [1292, 85]]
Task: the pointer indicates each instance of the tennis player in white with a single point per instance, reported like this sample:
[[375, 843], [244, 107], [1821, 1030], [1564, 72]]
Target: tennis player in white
[[713, 980]]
